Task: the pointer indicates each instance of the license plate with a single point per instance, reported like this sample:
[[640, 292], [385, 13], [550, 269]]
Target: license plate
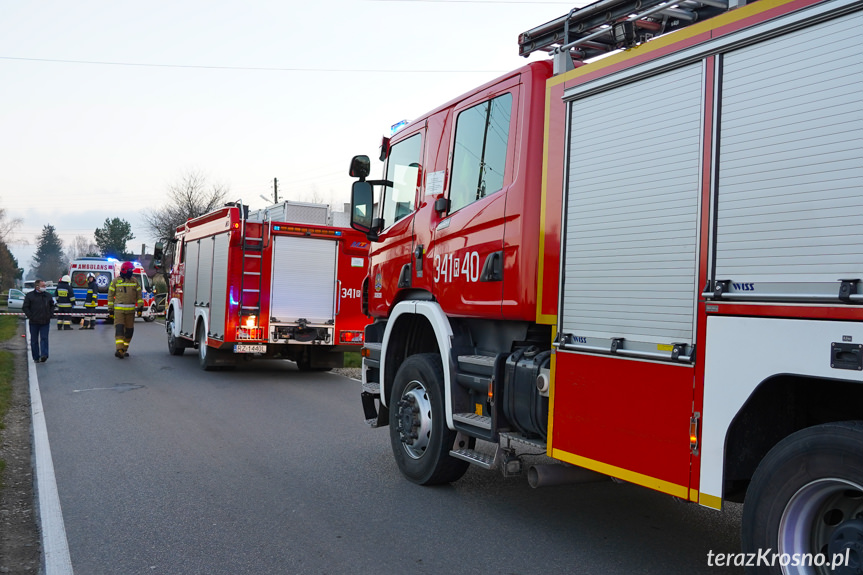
[[248, 348]]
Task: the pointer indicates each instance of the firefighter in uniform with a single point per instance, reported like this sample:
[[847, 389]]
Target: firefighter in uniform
[[65, 301], [124, 297], [90, 303]]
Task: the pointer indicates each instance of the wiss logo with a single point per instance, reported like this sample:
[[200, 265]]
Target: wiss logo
[[359, 244], [744, 287]]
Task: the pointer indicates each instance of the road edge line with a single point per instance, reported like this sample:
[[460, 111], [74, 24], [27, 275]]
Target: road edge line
[[55, 547]]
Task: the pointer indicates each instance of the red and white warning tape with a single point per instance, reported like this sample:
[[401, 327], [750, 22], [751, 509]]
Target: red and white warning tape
[[96, 315]]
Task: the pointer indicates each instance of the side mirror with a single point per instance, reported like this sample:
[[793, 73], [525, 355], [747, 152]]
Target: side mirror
[[158, 255], [385, 149], [362, 204], [361, 166]]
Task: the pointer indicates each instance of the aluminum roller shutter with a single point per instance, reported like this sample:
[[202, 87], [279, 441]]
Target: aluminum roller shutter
[[632, 210], [190, 275], [220, 285], [304, 280], [790, 198], [205, 272]]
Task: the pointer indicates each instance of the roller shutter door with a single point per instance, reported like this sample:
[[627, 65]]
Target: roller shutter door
[[220, 286], [304, 280], [190, 277], [632, 209], [790, 203]]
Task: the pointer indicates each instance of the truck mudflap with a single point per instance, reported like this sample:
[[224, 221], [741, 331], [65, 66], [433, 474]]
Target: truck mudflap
[[376, 414]]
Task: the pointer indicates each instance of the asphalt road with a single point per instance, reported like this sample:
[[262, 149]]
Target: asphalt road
[[163, 468]]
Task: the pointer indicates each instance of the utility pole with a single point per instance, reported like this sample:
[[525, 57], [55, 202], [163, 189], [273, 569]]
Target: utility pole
[[276, 190]]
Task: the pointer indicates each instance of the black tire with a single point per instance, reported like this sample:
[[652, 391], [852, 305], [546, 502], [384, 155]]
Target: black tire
[[206, 355], [175, 346], [152, 312], [417, 408], [805, 498]]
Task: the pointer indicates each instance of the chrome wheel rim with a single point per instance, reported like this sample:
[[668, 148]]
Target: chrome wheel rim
[[812, 516], [415, 419]]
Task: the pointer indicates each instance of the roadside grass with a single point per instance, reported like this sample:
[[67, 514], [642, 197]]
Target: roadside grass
[[353, 359], [8, 329]]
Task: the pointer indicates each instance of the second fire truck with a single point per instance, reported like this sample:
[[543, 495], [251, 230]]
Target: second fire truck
[[647, 266], [248, 286]]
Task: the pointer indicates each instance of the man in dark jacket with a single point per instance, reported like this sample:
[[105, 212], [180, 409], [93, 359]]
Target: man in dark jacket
[[39, 308]]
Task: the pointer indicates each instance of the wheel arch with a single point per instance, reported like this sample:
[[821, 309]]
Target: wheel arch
[[201, 320], [416, 327], [175, 308], [778, 407]]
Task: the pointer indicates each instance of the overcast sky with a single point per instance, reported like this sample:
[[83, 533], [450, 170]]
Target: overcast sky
[[104, 104]]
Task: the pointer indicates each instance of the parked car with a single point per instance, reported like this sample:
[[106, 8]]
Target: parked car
[[16, 299], [29, 284]]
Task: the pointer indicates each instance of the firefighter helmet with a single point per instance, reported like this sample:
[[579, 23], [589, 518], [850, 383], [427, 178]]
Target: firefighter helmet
[[65, 278], [126, 269]]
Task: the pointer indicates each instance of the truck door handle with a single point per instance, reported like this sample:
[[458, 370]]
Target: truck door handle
[[418, 258], [492, 270]]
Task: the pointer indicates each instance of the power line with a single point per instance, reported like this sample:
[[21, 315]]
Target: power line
[[251, 68]]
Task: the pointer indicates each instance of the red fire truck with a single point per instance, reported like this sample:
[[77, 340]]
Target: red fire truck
[[249, 286], [646, 265]]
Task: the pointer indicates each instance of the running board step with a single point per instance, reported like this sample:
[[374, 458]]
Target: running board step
[[479, 364], [372, 387], [509, 438], [475, 457], [472, 419]]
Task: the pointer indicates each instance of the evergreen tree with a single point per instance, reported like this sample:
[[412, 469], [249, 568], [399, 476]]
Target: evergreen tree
[[9, 270], [111, 238], [49, 262]]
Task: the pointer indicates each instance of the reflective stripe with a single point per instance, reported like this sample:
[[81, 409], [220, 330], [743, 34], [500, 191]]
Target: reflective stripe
[[124, 306]]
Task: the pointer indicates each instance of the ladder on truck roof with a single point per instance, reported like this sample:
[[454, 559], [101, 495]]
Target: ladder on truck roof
[[608, 25]]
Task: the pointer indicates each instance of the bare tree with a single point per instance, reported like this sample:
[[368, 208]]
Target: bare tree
[[315, 196], [7, 225], [190, 197], [80, 247]]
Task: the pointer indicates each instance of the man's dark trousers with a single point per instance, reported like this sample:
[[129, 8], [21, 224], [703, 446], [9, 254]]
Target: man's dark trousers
[[39, 339]]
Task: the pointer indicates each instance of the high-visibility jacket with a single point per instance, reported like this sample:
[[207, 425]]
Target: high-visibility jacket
[[92, 296], [124, 294], [65, 297]]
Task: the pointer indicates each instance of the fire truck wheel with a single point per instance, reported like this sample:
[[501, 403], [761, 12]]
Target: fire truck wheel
[[175, 346], [206, 356], [420, 439], [806, 497]]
